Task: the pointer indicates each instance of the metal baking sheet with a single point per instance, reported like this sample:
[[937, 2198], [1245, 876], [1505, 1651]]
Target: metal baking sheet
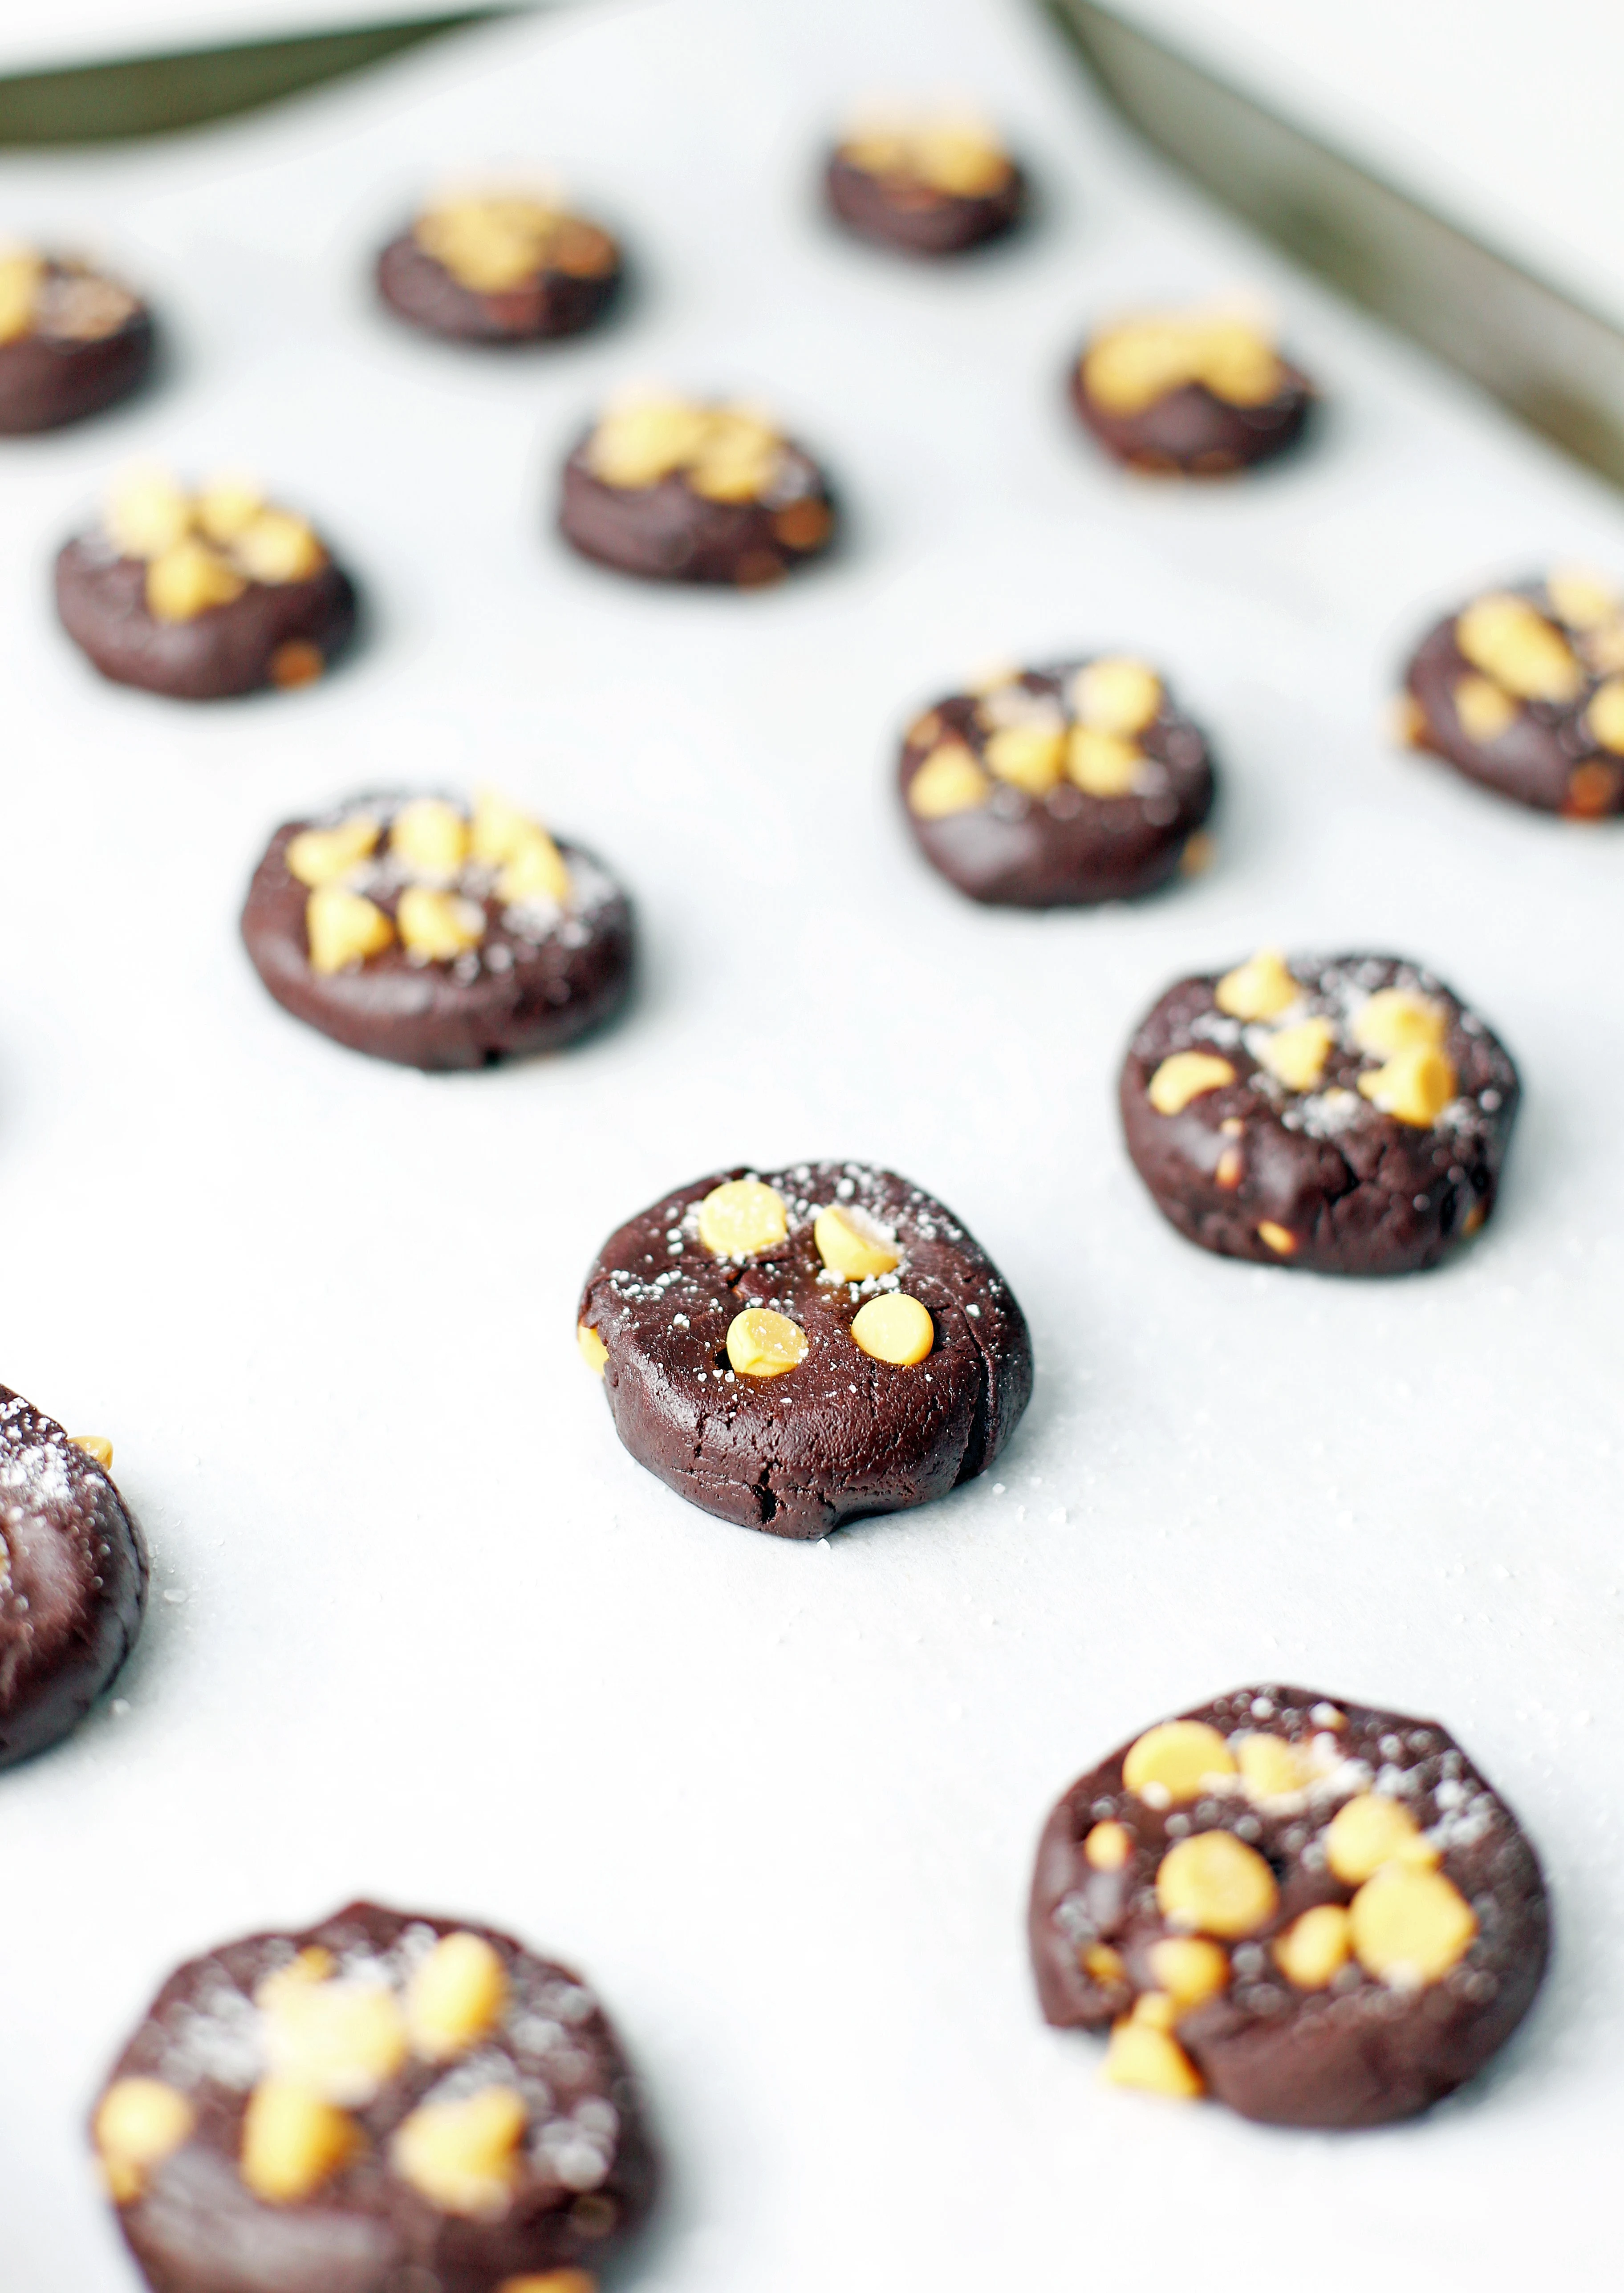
[[419, 1627]]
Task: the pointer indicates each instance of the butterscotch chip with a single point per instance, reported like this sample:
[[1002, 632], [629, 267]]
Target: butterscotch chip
[[638, 443], [461, 2155], [1103, 763], [1296, 1056], [762, 1343], [851, 1247], [326, 856], [1278, 1238], [804, 524], [594, 1352], [438, 926], [1151, 2061], [949, 781], [1369, 1831], [1415, 1085], [1029, 757], [1394, 1019], [894, 1328], [96, 1446], [1260, 988], [147, 514], [498, 829], [1108, 1846], [1116, 694], [1187, 1075], [1484, 710], [293, 2142], [138, 2122], [1271, 1767], [297, 662], [187, 579], [339, 2041], [343, 928], [534, 872], [21, 275], [429, 837], [455, 1995], [1315, 1947], [742, 1217], [489, 245], [278, 547], [1176, 1762], [1604, 718], [227, 507], [1189, 1969], [1213, 1884], [1513, 644], [1593, 790], [1583, 599], [551, 2280], [1408, 1927], [1104, 1965]]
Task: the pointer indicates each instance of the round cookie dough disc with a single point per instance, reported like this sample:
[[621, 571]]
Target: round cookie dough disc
[[916, 219], [842, 1434], [1320, 1177], [1191, 429], [50, 379], [1336, 2044], [571, 2178], [275, 632], [529, 992], [1558, 750], [544, 309], [666, 532], [73, 1580], [1067, 846]]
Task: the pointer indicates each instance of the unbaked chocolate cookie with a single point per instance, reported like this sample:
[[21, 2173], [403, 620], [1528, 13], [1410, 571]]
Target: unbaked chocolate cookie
[[1523, 691], [435, 935], [926, 186], [383, 2104], [1196, 395], [673, 490], [202, 596], [71, 342], [1317, 1913], [73, 1577], [1345, 1114], [504, 267], [1058, 786], [796, 1348]]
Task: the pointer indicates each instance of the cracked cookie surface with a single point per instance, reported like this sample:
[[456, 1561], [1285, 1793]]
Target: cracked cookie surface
[[791, 1350]]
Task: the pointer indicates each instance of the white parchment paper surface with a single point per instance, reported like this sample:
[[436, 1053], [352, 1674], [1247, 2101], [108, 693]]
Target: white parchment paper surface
[[419, 1627]]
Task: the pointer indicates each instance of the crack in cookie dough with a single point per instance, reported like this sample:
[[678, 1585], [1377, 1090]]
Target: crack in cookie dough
[[1346, 1115], [1316, 1912], [858, 1415]]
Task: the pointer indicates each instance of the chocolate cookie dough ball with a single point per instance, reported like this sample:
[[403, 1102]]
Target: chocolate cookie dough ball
[[71, 342], [1193, 395], [673, 490], [1058, 787], [795, 1348], [73, 1577], [1317, 1913], [501, 268], [926, 186], [1345, 1114], [1522, 689], [387, 2100], [436, 935], [203, 597]]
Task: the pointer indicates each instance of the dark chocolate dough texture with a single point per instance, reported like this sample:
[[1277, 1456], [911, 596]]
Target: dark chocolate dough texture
[[842, 1434], [1317, 1912]]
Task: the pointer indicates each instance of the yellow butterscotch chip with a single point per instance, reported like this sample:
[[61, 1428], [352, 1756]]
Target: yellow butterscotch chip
[[1279, 1238], [950, 780], [1117, 695], [429, 837], [187, 579], [20, 275], [498, 828], [1296, 1056], [325, 856], [438, 926], [489, 245], [339, 2040], [278, 547], [580, 250], [138, 2122], [292, 2142], [1101, 764], [1103, 1964], [1314, 1948], [551, 2280], [762, 1343], [343, 928], [1260, 988], [1155, 2010], [1415, 1085], [1604, 718], [638, 443], [1029, 757], [1213, 1884], [146, 513], [1189, 1969], [1133, 365], [894, 1328], [1410, 1926], [1272, 1769], [534, 874], [1513, 643], [227, 507], [1393, 1019], [742, 1217], [1484, 710], [461, 2155], [852, 1245], [1369, 1831], [959, 157], [1581, 598], [1151, 2061], [455, 1995], [594, 1352], [737, 456], [1108, 1846], [1177, 1761], [1186, 1075], [96, 1446]]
